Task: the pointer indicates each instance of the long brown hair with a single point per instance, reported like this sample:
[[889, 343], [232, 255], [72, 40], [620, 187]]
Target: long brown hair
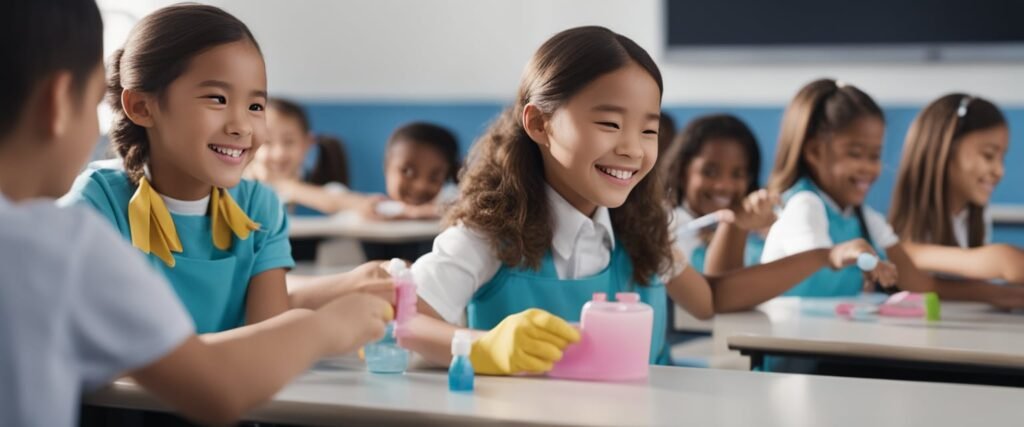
[[920, 210], [820, 108], [502, 188], [332, 163], [159, 49]]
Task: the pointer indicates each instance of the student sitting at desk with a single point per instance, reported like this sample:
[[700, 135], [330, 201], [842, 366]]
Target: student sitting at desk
[[280, 163], [78, 305], [558, 203], [953, 159], [420, 167], [420, 159], [829, 155], [713, 167]]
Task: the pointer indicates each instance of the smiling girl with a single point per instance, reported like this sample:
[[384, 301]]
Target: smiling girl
[[953, 159], [188, 92], [558, 203], [829, 155]]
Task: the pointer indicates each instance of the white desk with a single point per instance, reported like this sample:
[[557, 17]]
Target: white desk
[[353, 226], [971, 337], [343, 393]]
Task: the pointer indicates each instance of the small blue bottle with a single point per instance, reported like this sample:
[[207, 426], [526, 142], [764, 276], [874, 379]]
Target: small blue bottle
[[385, 356], [460, 373]]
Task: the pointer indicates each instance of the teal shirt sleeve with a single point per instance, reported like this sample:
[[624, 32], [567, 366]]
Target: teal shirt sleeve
[[272, 249]]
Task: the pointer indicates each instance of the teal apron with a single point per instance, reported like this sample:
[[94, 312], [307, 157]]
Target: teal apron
[[751, 254], [513, 290], [841, 228], [211, 283], [826, 282]]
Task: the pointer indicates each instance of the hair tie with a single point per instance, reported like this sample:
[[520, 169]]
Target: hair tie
[[961, 111]]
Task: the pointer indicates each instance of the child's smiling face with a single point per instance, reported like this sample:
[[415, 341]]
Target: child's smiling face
[[846, 163], [209, 121], [285, 150], [414, 172], [603, 141], [717, 177], [977, 166]]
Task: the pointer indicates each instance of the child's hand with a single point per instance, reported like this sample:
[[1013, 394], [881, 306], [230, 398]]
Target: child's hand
[[353, 320], [369, 270], [367, 208], [1007, 297], [371, 278], [1012, 256], [380, 288], [845, 254], [756, 211], [529, 341], [285, 188], [424, 211], [884, 274]]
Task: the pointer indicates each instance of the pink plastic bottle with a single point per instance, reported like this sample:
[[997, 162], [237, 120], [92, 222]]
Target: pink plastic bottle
[[615, 343], [405, 295]]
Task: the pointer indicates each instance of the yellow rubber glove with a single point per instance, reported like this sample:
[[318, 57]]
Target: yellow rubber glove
[[530, 341]]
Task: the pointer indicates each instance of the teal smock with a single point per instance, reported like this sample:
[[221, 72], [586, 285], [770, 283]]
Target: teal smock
[[210, 282], [751, 254], [513, 290], [826, 282]]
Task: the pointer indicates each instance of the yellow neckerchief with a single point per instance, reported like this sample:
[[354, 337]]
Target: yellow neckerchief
[[152, 227]]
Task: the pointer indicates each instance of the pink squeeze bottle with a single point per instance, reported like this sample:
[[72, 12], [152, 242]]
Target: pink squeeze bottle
[[405, 294]]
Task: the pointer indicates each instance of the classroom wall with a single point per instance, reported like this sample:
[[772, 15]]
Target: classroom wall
[[365, 127], [366, 66], [474, 50]]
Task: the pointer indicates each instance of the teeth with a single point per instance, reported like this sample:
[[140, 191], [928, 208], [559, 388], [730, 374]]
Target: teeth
[[618, 173], [721, 201], [233, 152]]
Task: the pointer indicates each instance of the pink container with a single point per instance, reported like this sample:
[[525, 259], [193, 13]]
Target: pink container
[[615, 343], [903, 304], [405, 294]]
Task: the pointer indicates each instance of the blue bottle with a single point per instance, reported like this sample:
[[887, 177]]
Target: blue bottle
[[460, 373], [385, 356]]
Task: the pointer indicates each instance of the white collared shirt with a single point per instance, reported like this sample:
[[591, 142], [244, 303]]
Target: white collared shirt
[[462, 260], [686, 241], [803, 225]]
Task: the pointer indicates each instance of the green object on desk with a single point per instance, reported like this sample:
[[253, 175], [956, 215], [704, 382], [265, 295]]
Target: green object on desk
[[932, 309]]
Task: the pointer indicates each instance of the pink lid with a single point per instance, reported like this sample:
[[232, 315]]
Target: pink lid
[[600, 296], [627, 297]]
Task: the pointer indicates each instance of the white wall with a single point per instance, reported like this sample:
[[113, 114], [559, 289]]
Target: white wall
[[474, 50]]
